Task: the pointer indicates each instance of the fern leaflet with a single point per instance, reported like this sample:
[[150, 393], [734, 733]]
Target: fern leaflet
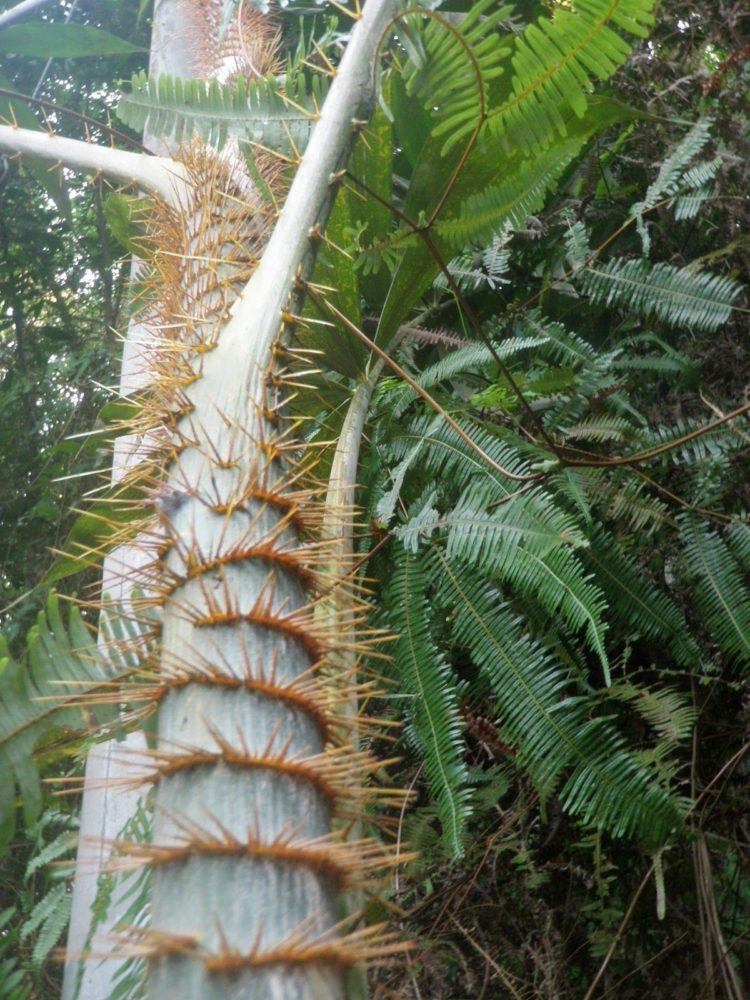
[[679, 296], [435, 726], [719, 588]]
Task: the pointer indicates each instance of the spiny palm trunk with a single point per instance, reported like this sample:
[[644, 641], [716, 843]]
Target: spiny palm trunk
[[249, 773]]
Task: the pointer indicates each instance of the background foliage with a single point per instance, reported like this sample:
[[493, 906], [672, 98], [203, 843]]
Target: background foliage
[[572, 641]]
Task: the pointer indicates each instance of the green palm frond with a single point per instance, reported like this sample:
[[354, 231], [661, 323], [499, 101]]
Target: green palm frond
[[636, 602], [719, 588], [680, 296], [557, 738], [557, 60], [435, 727], [262, 111]]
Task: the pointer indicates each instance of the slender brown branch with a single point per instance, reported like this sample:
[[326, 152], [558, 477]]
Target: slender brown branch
[[660, 449]]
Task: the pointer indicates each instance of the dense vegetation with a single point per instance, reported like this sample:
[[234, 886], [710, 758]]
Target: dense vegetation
[[554, 505]]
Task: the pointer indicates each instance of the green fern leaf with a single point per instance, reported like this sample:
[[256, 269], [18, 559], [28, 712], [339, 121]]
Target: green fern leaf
[[679, 296], [668, 180], [48, 920], [43, 694], [13, 980], [738, 538], [549, 722], [444, 455], [719, 588], [520, 193], [557, 61], [622, 498], [577, 246], [665, 710], [451, 66], [604, 428], [435, 726], [638, 603], [490, 538]]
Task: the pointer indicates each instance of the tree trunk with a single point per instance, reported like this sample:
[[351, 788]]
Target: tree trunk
[[109, 800]]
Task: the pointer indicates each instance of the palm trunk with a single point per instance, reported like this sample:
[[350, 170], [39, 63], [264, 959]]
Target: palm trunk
[[247, 872]]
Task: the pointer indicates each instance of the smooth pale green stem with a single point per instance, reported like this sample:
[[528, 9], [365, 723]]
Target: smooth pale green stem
[[158, 175], [338, 519]]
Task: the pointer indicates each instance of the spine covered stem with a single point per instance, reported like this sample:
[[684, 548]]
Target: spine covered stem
[[247, 873]]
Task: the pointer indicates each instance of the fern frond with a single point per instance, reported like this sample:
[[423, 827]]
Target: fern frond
[[603, 428], [561, 347], [435, 726], [472, 357], [47, 920], [719, 588], [670, 174], [710, 446], [444, 455], [679, 296], [472, 269], [560, 584], [256, 110], [687, 206], [490, 539], [577, 486], [520, 193], [557, 61], [636, 602], [450, 67], [529, 545], [665, 710], [548, 721], [13, 981], [696, 188], [626, 499], [668, 361], [58, 848], [738, 538], [577, 246]]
